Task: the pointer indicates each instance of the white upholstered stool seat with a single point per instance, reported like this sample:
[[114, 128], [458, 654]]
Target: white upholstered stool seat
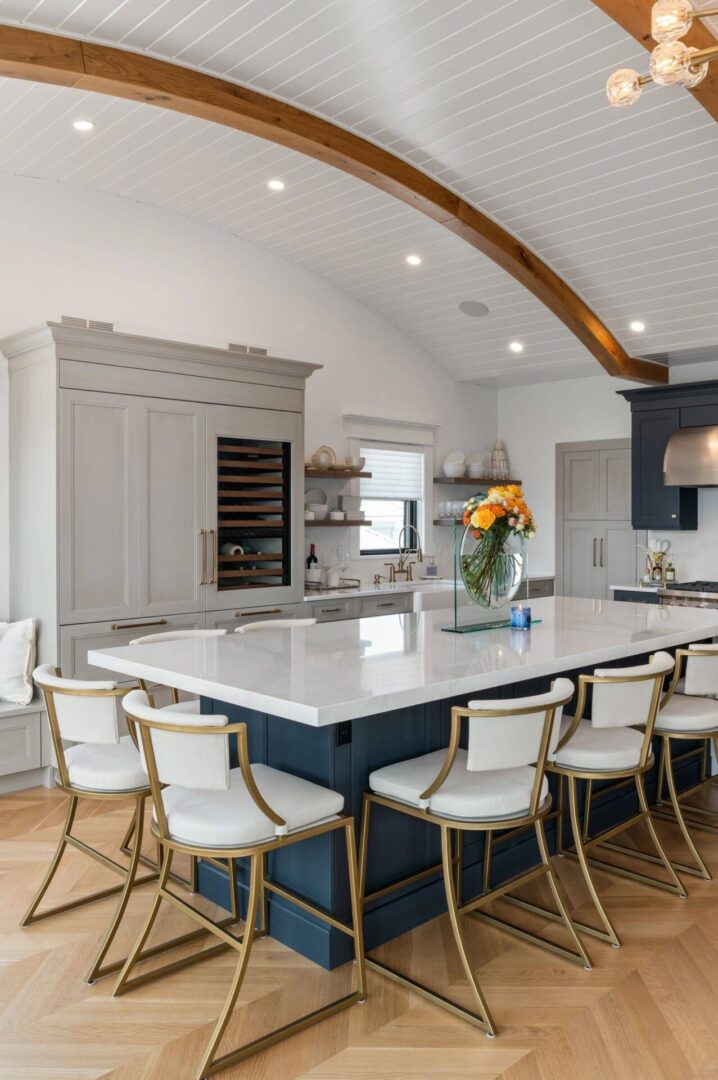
[[465, 795], [231, 819], [684, 712], [597, 749], [106, 766]]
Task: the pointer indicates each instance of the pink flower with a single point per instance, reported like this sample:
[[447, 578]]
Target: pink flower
[[512, 522]]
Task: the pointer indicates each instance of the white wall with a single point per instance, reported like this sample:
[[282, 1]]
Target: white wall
[[78, 252]]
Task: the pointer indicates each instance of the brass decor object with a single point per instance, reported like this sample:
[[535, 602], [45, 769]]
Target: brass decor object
[[451, 830], [672, 61], [256, 913]]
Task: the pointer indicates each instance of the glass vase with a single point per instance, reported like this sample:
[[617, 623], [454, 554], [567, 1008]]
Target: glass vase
[[492, 566]]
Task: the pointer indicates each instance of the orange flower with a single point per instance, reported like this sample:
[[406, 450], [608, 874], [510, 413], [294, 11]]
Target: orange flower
[[483, 518], [467, 517]]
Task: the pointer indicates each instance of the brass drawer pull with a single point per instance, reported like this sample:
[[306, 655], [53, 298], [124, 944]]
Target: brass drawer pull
[[244, 614], [329, 610], [389, 603], [137, 625]]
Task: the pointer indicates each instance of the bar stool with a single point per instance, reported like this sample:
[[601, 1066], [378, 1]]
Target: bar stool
[[191, 706], [275, 624], [497, 783], [608, 747], [101, 766], [204, 808], [689, 712]]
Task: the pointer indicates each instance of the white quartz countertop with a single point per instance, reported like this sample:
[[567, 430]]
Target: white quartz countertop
[[431, 584], [331, 672]]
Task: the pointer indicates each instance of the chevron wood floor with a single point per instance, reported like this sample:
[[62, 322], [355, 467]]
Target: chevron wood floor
[[646, 1012]]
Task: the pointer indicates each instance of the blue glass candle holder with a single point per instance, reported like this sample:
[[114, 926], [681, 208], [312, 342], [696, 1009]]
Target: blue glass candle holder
[[520, 617]]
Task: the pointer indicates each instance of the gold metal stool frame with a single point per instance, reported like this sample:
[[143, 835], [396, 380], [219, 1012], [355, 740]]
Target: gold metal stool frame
[[451, 867], [259, 886], [584, 843], [129, 873], [674, 811]]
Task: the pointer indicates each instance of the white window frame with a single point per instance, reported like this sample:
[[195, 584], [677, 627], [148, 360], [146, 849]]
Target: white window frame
[[407, 435]]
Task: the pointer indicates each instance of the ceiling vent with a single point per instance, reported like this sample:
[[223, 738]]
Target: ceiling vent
[[247, 350], [85, 324]]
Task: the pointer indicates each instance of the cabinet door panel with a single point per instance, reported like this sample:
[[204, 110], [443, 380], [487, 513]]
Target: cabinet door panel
[[618, 556], [77, 641], [97, 498], [656, 506], [171, 507], [616, 485], [581, 474], [582, 575]]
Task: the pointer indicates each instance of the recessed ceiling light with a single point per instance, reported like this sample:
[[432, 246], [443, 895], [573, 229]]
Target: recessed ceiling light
[[474, 308], [414, 260], [516, 346], [637, 326], [275, 185], [83, 125]]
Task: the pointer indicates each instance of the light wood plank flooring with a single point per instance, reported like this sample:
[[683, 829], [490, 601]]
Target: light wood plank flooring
[[646, 1012]]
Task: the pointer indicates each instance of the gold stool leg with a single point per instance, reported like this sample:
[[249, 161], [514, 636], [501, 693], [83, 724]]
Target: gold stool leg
[[702, 869], [29, 915], [96, 970], [264, 902], [356, 902], [661, 773], [587, 810], [610, 934], [208, 1065], [364, 846], [149, 923], [486, 870], [233, 889], [458, 933], [643, 802], [558, 895]]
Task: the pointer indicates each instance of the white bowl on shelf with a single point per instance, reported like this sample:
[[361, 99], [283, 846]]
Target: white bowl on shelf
[[356, 464], [319, 511], [454, 471]]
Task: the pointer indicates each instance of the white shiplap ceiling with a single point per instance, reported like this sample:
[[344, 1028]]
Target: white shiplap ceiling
[[503, 102]]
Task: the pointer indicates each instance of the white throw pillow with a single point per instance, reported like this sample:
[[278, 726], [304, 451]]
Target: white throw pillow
[[17, 660]]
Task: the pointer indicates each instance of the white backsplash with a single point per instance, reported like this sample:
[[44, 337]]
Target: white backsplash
[[695, 554]]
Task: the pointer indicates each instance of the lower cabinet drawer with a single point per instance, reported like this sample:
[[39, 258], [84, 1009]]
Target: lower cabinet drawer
[[333, 610], [385, 605], [76, 641], [20, 740], [541, 587], [232, 618]]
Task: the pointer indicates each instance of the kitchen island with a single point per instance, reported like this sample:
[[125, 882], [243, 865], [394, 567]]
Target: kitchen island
[[331, 702]]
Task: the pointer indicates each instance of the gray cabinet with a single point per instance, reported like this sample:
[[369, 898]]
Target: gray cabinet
[[229, 620], [597, 484]]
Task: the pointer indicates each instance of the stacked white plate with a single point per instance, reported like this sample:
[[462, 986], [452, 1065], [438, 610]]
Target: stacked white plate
[[455, 464]]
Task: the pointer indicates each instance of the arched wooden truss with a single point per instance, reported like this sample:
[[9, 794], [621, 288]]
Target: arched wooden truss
[[29, 54]]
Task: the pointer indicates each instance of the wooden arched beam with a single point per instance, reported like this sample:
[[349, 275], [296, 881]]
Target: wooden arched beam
[[635, 18], [29, 54]]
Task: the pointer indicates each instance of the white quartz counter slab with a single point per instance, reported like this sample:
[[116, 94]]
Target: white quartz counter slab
[[636, 588], [398, 589], [330, 672]]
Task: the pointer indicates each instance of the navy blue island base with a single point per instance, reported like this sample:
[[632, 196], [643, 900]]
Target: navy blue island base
[[342, 756]]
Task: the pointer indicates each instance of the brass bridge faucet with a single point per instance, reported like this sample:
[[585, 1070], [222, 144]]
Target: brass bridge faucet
[[402, 568]]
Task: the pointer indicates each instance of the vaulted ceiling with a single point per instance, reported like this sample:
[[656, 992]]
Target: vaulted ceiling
[[503, 103]]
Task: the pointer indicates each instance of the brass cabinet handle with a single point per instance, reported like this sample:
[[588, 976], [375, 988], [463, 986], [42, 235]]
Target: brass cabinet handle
[[674, 516], [594, 551], [213, 550], [389, 603], [137, 625], [203, 579], [244, 614], [328, 610], [600, 555]]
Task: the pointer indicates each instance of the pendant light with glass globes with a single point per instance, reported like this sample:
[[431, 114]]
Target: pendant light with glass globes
[[672, 61]]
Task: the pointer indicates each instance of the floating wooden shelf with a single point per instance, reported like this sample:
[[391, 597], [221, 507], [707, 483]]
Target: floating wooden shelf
[[337, 524], [470, 480], [448, 521], [334, 474]]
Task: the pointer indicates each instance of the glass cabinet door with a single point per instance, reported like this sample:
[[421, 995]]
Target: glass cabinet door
[[253, 544]]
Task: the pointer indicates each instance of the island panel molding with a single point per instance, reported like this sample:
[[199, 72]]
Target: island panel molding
[[49, 58], [635, 17]]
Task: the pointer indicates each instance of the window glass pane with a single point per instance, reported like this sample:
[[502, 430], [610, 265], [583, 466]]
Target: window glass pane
[[387, 519]]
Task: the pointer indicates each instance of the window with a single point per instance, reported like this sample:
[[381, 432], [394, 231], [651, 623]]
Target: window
[[391, 498]]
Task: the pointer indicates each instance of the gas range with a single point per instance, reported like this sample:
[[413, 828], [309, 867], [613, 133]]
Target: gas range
[[690, 594]]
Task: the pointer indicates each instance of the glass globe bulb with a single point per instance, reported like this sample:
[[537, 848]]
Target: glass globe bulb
[[694, 74], [670, 20], [623, 88], [669, 63]]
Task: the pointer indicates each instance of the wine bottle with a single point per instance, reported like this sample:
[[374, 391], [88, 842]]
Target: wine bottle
[[312, 559]]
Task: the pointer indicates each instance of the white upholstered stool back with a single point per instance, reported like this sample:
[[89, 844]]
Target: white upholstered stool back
[[512, 736], [177, 635], [701, 670], [85, 711], [275, 624], [626, 697], [189, 759]]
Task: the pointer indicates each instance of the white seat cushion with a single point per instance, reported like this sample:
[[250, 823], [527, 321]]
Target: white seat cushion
[[187, 708], [599, 749], [472, 796], [684, 712], [229, 819], [106, 766]]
